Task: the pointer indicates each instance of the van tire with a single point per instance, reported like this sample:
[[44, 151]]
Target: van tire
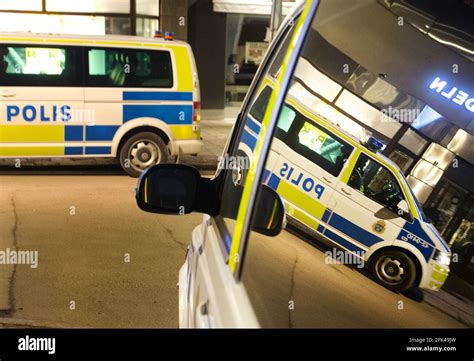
[[142, 151], [394, 270]]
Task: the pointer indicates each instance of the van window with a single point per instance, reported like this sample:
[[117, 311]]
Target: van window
[[312, 141], [112, 67], [260, 106], [30, 65], [375, 181], [258, 109]]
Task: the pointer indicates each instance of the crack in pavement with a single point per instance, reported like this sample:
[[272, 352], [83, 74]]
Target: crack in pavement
[[292, 287], [170, 233], [11, 284]]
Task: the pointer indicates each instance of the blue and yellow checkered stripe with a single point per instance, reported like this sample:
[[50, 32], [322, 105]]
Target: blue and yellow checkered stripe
[[33, 139]]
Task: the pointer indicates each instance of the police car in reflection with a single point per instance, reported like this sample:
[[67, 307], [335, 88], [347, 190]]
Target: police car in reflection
[[344, 189], [133, 98]]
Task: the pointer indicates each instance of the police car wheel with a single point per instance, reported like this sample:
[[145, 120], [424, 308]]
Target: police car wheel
[[142, 151], [394, 270]]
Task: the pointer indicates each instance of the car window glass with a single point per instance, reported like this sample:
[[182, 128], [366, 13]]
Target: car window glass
[[114, 67], [237, 162], [30, 65], [316, 271], [375, 181]]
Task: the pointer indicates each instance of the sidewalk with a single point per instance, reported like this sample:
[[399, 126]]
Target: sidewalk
[[459, 308], [456, 298]]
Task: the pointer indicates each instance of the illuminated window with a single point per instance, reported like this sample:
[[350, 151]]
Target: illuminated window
[[48, 61], [312, 141], [30, 5], [38, 66], [89, 6], [129, 68]]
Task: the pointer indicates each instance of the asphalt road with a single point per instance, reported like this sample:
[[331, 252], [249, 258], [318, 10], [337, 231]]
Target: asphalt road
[[104, 263], [85, 229]]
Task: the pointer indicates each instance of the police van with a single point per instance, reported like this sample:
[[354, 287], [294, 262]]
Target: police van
[[136, 99], [343, 189], [244, 267]]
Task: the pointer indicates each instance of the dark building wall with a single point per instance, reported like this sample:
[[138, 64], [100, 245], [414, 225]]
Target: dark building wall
[[207, 36], [174, 17]]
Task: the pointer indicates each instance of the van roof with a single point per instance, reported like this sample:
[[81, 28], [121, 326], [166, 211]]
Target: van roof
[[45, 37]]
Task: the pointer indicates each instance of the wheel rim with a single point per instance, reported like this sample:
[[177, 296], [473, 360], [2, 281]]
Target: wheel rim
[[390, 270], [143, 154]]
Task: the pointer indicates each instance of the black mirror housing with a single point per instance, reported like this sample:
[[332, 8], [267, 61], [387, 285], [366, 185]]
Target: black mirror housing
[[270, 215], [173, 189]]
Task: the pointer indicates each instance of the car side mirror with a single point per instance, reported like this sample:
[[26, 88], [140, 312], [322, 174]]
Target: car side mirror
[[269, 216], [174, 189], [403, 210]]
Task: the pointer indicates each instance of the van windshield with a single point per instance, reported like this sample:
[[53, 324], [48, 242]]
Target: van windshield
[[422, 214]]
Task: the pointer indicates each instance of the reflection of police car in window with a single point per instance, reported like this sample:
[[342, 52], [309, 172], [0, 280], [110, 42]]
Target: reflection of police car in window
[[350, 194], [136, 99]]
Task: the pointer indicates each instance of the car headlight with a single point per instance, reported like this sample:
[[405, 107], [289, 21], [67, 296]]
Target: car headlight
[[442, 258]]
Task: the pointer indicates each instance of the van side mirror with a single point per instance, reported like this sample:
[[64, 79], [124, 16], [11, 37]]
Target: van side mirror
[[180, 189], [403, 210], [173, 189], [269, 217]]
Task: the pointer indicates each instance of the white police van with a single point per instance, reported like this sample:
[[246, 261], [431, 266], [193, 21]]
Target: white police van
[[133, 98], [344, 189]]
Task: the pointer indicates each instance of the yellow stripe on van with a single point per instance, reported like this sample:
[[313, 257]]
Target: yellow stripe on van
[[185, 78], [350, 167], [301, 200], [184, 132], [441, 270], [440, 277], [31, 151], [301, 216], [31, 133]]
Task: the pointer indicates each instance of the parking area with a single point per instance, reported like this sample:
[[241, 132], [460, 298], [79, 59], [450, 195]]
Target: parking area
[[104, 263]]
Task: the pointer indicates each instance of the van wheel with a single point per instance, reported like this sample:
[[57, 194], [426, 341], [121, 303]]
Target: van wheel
[[394, 270], [142, 151]]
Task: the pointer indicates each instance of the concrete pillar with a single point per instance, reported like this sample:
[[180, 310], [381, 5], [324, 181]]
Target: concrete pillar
[[207, 36], [174, 17]]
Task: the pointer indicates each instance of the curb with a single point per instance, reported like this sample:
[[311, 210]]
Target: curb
[[449, 308]]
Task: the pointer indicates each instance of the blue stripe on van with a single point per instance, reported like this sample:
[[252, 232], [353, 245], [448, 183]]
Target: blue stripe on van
[[170, 114], [73, 133], [354, 231], [73, 150], [341, 241], [274, 181], [100, 132], [415, 229], [99, 150], [266, 174], [248, 139], [326, 215], [253, 125], [176, 96]]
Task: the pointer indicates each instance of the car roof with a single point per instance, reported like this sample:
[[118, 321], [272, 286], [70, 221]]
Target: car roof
[[87, 38]]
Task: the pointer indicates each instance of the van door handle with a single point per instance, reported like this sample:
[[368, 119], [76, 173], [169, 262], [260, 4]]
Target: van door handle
[[327, 180], [345, 191]]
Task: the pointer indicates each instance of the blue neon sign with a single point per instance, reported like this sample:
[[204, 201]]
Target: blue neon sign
[[456, 95]]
